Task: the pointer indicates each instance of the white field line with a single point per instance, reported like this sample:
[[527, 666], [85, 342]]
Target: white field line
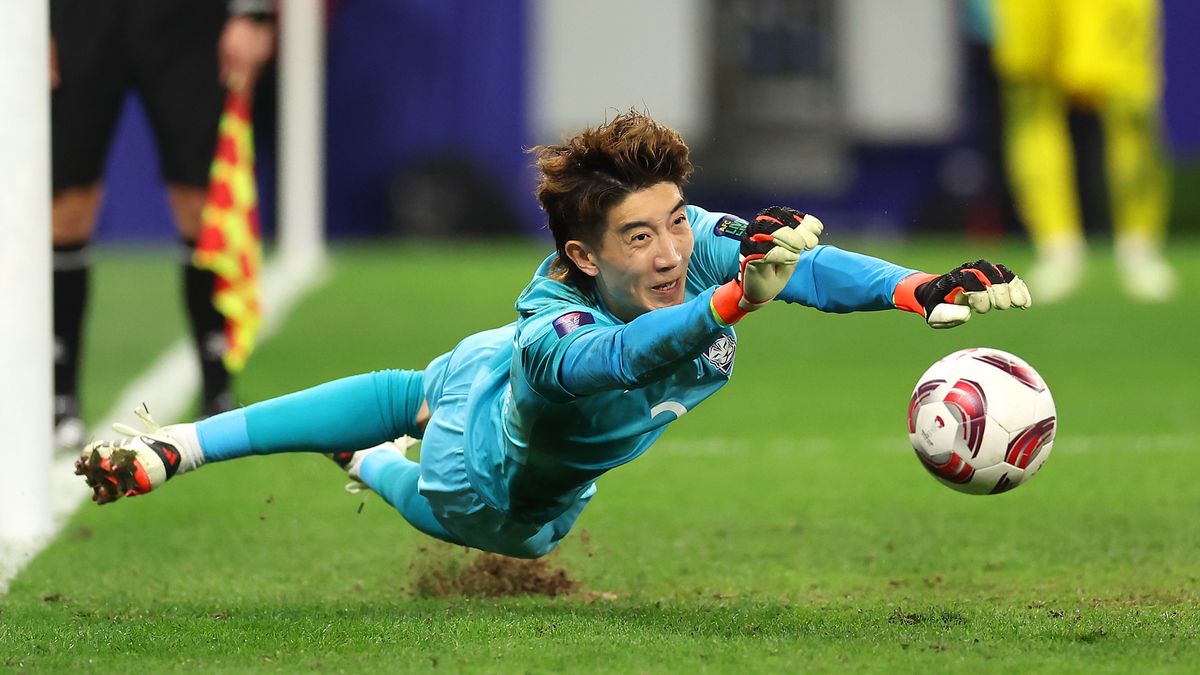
[[1065, 443], [167, 388]]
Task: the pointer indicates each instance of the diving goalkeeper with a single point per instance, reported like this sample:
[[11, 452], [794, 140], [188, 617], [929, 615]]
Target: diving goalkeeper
[[626, 327]]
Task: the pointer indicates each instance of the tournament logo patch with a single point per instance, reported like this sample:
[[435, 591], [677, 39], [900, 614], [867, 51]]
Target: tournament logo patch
[[721, 353], [570, 321], [732, 227]]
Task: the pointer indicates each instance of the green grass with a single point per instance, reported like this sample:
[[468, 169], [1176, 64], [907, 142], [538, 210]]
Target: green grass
[[785, 526], [135, 312]]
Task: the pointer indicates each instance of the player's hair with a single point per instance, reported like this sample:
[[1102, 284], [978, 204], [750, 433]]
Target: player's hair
[[591, 172]]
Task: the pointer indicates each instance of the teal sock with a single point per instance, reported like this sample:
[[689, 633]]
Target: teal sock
[[394, 477], [347, 414]]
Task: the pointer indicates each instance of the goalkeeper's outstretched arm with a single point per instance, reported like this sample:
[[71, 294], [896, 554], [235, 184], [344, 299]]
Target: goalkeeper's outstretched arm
[[833, 280], [949, 300], [633, 355], [630, 356]]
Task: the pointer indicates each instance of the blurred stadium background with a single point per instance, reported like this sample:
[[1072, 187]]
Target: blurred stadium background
[[880, 115], [812, 545]]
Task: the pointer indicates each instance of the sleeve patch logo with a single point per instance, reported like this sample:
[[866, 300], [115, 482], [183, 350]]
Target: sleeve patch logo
[[732, 227], [721, 353], [570, 321]]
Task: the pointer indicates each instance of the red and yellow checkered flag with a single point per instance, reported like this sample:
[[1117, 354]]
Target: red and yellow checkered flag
[[230, 243]]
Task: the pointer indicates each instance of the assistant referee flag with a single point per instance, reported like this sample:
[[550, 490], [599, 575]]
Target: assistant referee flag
[[230, 242]]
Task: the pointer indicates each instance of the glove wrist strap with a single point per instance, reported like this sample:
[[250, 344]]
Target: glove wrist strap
[[727, 304], [905, 295]]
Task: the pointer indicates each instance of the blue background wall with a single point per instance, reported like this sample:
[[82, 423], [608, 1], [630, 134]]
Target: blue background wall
[[414, 79]]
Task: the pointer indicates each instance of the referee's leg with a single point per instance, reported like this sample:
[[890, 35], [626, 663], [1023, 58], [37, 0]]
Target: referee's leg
[[73, 218], [84, 104]]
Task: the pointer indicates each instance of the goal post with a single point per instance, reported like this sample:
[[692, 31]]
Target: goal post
[[30, 507], [26, 331], [301, 218]]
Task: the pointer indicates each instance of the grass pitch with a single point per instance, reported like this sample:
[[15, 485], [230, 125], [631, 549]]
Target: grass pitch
[[786, 526]]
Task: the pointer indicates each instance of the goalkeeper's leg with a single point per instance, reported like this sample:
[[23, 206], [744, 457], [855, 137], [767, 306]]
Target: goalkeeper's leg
[[386, 470], [354, 412]]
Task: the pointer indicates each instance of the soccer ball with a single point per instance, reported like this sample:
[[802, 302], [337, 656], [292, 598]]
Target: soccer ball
[[982, 421]]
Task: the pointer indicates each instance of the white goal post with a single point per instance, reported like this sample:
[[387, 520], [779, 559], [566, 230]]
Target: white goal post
[[33, 503], [26, 407], [301, 58]]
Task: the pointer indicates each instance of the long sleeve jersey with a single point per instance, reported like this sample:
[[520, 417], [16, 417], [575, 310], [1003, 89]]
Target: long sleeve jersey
[[569, 391]]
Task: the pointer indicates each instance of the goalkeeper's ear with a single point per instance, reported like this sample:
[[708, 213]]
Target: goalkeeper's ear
[[582, 255]]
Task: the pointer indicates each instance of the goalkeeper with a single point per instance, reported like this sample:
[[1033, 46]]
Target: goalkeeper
[[625, 328]]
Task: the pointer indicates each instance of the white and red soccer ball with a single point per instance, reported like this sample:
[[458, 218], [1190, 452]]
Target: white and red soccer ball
[[982, 421]]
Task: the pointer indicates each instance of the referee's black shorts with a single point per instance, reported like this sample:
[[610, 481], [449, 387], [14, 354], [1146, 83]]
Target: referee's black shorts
[[164, 49]]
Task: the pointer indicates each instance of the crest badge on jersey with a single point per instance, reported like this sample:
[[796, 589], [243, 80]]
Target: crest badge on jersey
[[721, 353], [731, 227], [571, 321]]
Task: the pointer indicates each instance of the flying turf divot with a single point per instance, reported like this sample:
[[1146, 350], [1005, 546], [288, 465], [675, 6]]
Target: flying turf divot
[[443, 571]]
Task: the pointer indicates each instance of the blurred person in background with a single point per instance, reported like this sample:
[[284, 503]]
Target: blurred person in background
[[179, 56], [1102, 55]]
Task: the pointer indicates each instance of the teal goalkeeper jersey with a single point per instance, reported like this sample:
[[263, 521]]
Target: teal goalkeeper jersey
[[569, 391]]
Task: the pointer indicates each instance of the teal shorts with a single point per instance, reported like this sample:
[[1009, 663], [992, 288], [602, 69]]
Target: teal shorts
[[447, 482]]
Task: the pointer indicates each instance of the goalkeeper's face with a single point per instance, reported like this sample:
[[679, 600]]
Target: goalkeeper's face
[[641, 260]]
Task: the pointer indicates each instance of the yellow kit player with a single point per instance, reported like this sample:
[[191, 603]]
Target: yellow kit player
[[1103, 55]]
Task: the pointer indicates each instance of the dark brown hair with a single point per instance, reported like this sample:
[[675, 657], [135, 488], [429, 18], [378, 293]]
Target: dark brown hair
[[594, 170]]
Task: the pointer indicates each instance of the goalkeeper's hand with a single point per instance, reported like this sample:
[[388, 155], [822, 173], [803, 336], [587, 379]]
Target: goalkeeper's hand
[[770, 249], [948, 300]]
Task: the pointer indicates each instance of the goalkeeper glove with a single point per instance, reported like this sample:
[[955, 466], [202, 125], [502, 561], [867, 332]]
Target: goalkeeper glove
[[947, 301], [770, 249]]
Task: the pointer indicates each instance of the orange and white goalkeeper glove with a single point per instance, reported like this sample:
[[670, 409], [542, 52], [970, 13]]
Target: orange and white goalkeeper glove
[[770, 249], [948, 300]]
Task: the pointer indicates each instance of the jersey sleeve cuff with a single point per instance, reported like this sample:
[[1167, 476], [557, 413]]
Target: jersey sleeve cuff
[[726, 304], [905, 295]]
